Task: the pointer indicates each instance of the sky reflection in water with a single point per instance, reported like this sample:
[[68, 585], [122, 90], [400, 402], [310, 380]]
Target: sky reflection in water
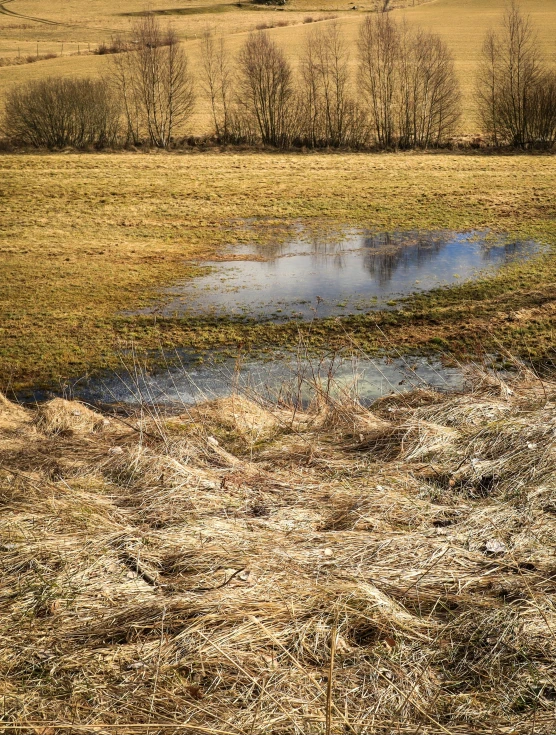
[[356, 272]]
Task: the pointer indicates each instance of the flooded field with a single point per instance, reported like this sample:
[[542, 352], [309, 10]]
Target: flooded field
[[305, 278], [357, 271]]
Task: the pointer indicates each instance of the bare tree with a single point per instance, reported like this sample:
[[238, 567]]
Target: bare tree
[[518, 55], [325, 94], [163, 83], [430, 94], [487, 85], [379, 74], [154, 82], [333, 67], [124, 80], [218, 82], [310, 103], [265, 89], [409, 84], [514, 85]]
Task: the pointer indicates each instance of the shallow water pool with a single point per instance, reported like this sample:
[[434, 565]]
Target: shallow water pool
[[357, 271], [287, 377]]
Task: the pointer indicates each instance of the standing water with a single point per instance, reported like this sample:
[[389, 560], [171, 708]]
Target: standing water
[[306, 278], [357, 272], [287, 377]]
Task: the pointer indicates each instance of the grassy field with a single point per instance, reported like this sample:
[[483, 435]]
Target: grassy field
[[462, 24], [85, 237]]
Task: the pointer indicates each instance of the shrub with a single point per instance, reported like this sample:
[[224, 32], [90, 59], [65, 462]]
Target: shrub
[[57, 112]]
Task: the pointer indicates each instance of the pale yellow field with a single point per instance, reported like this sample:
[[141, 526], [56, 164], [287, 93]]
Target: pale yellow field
[[80, 25]]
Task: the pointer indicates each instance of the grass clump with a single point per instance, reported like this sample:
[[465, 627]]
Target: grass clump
[[248, 566]]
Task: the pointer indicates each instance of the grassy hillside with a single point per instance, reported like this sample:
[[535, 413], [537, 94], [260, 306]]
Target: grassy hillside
[[462, 23]]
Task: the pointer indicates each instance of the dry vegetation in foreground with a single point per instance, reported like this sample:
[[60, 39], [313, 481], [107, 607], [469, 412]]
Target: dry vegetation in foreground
[[245, 567]]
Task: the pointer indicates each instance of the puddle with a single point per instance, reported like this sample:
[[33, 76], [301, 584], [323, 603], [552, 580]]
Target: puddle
[[284, 378], [304, 278], [358, 271]]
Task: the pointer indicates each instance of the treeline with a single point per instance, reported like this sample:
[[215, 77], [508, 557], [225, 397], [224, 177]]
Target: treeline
[[402, 92]]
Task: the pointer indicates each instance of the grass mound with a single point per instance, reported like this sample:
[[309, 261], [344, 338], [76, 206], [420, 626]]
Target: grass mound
[[247, 567]]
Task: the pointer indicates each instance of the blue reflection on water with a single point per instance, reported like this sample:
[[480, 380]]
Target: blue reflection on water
[[355, 272]]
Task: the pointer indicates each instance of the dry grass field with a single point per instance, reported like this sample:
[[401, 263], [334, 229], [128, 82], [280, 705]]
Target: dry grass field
[[87, 236], [77, 26], [246, 566]]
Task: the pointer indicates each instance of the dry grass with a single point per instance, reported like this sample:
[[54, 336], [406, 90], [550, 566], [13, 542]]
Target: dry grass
[[246, 568], [80, 25]]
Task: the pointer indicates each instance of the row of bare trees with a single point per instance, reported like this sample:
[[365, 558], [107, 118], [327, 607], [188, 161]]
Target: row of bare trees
[[405, 94], [399, 91]]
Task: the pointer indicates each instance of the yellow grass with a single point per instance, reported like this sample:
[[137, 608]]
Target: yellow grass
[[245, 568], [462, 23]]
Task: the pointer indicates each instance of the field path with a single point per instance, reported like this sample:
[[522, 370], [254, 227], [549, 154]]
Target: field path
[[6, 11]]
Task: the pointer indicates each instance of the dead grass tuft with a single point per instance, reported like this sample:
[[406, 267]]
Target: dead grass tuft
[[12, 416], [67, 417], [249, 567]]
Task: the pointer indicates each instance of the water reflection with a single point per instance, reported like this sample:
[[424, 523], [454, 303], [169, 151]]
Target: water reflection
[[353, 272], [384, 256]]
